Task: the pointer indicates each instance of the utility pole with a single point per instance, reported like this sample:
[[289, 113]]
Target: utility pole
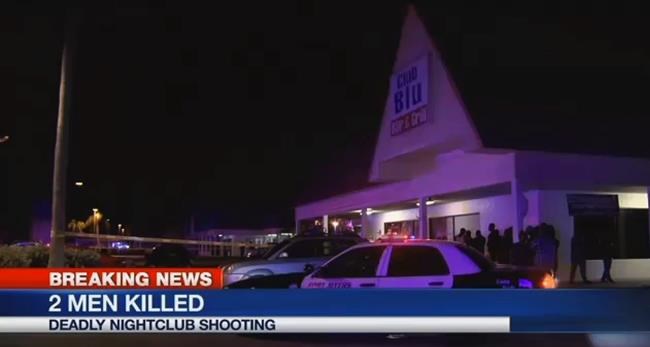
[[59, 181]]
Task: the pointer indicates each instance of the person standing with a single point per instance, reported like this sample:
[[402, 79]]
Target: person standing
[[479, 242], [607, 254], [544, 248], [578, 259], [556, 242], [461, 235], [506, 246], [467, 238], [527, 242], [493, 242], [521, 254]]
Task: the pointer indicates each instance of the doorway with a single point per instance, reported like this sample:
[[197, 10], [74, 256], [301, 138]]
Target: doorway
[[594, 230], [441, 228]]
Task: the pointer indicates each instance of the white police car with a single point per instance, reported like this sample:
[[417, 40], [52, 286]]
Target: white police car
[[421, 264]]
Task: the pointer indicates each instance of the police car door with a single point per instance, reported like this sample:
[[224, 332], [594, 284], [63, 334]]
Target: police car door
[[356, 268], [415, 266]]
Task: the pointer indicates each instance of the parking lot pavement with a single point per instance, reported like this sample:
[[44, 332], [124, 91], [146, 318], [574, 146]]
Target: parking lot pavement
[[143, 340]]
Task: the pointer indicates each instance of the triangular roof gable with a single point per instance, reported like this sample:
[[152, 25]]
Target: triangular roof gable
[[405, 148]]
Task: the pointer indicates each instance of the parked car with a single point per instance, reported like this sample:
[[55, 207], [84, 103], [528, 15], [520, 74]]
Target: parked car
[[169, 255], [26, 244], [409, 264], [291, 256]]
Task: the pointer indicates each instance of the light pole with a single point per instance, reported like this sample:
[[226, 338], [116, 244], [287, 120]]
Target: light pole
[[96, 226], [59, 177]]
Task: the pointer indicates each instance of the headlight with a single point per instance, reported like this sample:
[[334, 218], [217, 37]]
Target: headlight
[[228, 268]]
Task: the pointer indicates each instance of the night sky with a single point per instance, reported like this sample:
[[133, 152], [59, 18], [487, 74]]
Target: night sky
[[233, 113], [236, 112]]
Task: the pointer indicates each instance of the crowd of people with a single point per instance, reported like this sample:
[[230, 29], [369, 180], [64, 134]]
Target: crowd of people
[[537, 246]]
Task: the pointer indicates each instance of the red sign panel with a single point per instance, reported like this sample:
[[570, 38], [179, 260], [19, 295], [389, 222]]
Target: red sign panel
[[110, 278], [408, 121]]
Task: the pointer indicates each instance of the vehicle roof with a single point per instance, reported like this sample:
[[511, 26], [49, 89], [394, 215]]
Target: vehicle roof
[[356, 237], [408, 242]]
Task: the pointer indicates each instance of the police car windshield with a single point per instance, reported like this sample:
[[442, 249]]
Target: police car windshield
[[275, 248]]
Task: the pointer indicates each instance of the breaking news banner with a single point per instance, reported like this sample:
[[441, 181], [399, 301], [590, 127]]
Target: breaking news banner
[[192, 301], [255, 324]]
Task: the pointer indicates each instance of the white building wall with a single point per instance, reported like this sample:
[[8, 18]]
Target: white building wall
[[451, 175], [532, 208], [553, 210]]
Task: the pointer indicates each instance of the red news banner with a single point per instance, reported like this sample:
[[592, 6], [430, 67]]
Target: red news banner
[[109, 278]]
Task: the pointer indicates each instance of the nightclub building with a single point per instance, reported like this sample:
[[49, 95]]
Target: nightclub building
[[472, 135]]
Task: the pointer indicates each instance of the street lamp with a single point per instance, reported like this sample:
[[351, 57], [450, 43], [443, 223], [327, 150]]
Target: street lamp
[[79, 184], [4, 139], [335, 224]]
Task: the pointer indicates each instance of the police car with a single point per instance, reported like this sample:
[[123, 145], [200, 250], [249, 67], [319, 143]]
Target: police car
[[421, 264]]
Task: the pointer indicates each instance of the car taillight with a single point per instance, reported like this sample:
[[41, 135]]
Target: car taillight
[[549, 282]]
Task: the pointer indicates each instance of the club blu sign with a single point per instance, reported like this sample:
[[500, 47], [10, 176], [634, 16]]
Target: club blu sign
[[409, 94]]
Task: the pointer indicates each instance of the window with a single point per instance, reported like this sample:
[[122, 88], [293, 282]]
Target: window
[[633, 233], [360, 262], [318, 247], [626, 232], [403, 228], [333, 247], [416, 261], [304, 249], [275, 249]]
